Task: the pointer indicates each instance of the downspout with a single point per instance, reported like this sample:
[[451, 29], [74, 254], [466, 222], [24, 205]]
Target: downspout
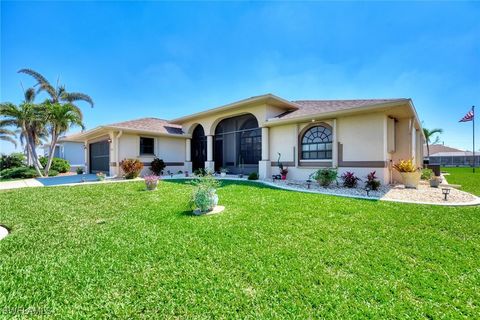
[[117, 153]]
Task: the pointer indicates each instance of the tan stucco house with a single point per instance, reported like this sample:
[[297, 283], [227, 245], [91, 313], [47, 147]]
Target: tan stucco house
[[248, 135]]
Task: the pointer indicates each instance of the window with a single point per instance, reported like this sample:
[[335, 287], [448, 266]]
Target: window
[[317, 143], [146, 145]]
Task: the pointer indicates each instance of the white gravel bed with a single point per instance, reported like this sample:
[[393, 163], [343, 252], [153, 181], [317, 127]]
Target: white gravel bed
[[423, 195]]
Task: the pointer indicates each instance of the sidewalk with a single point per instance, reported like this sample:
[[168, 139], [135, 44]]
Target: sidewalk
[[15, 184]]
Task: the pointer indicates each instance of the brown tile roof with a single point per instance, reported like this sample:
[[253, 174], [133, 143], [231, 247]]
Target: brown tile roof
[[149, 124], [310, 107], [437, 148]]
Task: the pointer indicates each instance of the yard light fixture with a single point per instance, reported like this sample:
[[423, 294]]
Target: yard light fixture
[[309, 182], [109, 140], [446, 192], [368, 191]]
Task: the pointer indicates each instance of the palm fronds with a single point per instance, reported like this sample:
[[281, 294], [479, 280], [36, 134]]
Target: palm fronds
[[77, 96], [42, 82]]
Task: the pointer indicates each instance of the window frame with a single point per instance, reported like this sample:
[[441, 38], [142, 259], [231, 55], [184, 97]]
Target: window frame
[[140, 146], [326, 150]]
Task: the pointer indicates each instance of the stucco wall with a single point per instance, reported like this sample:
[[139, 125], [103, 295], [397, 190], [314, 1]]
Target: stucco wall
[[283, 139], [170, 150], [362, 137]]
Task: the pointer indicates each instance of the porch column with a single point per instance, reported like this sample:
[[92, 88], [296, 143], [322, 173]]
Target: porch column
[[188, 155], [188, 149], [265, 145], [85, 156], [210, 164], [265, 166], [335, 145]]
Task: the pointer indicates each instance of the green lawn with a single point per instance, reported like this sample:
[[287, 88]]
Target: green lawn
[[114, 250], [469, 181]]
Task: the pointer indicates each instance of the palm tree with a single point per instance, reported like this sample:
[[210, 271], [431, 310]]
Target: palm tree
[[60, 118], [59, 110], [429, 134], [31, 122], [58, 94], [6, 134]]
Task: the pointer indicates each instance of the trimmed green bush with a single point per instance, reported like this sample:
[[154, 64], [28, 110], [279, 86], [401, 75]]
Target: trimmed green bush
[[426, 174], [325, 176], [253, 176], [52, 173], [18, 173], [14, 160], [58, 164]]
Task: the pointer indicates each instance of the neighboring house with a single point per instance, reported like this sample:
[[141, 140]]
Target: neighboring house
[[72, 151], [247, 135], [450, 157]]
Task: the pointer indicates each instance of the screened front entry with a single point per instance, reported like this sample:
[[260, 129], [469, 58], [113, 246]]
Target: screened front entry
[[199, 148], [238, 144], [99, 157]]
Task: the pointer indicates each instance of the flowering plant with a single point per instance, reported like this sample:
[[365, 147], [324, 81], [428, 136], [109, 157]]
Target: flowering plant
[[100, 176], [151, 182], [131, 168]]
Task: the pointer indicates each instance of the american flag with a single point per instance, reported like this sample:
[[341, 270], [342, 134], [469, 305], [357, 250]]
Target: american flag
[[468, 117]]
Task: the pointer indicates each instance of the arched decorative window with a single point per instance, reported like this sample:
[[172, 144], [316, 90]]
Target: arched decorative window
[[317, 143]]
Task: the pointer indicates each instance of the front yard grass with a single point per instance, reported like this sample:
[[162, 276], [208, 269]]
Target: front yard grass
[[469, 181], [114, 250]]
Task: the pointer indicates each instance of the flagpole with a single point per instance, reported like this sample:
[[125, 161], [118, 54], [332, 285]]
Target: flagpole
[[473, 111]]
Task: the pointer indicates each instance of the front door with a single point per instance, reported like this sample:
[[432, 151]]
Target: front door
[[100, 157]]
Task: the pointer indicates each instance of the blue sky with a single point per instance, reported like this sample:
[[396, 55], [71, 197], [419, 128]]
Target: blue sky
[[139, 59]]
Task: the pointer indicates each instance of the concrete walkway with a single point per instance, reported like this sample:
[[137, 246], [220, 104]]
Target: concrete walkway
[[15, 184]]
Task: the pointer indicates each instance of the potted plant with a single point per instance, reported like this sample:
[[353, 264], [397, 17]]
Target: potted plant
[[410, 174], [223, 172], [100, 176], [325, 176], [204, 196], [151, 182], [80, 170]]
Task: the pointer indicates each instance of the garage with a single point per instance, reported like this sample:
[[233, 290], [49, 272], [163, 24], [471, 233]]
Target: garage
[[100, 157]]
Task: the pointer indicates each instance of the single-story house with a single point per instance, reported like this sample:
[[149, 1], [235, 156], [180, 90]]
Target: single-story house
[[254, 133], [450, 157], [72, 151]]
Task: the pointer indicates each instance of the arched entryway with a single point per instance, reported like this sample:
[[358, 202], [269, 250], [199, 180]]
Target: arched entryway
[[198, 148], [238, 144]]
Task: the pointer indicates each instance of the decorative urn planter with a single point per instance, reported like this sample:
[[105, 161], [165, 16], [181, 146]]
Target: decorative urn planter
[[435, 182], [411, 179], [151, 182], [223, 174]]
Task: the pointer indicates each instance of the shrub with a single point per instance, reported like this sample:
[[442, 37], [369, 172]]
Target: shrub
[[200, 172], [405, 166], [372, 182], [80, 170], [131, 168], [14, 160], [349, 179], [253, 176], [427, 174], [204, 194], [157, 166], [58, 164], [325, 176], [52, 173], [18, 173]]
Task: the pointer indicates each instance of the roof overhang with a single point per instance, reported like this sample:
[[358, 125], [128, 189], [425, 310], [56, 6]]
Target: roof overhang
[[101, 130], [269, 99], [393, 108]]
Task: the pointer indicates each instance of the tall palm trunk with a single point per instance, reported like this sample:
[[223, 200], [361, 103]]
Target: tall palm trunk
[[30, 142], [51, 152]]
